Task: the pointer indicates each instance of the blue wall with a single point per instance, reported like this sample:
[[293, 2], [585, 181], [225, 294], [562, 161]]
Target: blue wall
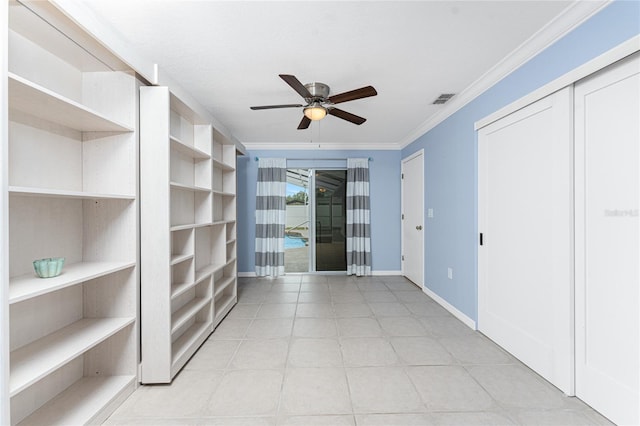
[[451, 152], [384, 170], [450, 166]]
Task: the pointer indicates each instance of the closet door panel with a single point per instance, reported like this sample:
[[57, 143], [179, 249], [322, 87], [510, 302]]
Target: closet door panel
[[607, 240], [525, 216]]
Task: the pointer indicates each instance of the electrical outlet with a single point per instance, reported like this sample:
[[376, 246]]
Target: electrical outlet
[[430, 213], [450, 273]]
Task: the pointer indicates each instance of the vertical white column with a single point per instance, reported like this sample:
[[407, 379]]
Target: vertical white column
[[4, 219]]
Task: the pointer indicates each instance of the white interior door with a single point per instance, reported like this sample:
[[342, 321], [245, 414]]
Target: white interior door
[[413, 218], [607, 132], [525, 293]]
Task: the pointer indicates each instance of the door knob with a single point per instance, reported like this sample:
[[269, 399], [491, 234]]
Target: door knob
[[419, 227]]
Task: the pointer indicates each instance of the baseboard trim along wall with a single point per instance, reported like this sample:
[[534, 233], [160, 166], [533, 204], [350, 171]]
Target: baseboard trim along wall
[[385, 273], [246, 274], [452, 309]]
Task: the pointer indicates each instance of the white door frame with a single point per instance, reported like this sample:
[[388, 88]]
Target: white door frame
[[416, 154], [312, 221]]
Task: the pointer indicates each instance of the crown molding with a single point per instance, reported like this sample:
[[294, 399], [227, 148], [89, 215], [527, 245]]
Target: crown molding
[[574, 15], [619, 52], [321, 146]]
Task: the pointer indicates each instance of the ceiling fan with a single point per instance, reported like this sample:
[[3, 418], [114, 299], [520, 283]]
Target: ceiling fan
[[319, 103]]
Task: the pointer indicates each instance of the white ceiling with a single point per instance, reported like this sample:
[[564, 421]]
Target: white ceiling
[[228, 54]]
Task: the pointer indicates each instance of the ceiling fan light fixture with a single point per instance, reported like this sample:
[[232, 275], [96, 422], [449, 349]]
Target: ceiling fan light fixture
[[317, 96], [315, 111]]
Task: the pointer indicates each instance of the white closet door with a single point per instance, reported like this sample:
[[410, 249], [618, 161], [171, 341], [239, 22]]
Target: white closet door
[[525, 215], [413, 218], [607, 132]]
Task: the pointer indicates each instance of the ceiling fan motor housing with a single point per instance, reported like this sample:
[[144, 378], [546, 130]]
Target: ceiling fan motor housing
[[319, 91]]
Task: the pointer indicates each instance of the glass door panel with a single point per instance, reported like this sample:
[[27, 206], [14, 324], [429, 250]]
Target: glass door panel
[[330, 220], [296, 238]]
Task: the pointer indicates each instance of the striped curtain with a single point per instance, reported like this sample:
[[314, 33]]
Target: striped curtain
[[270, 216], [358, 223]]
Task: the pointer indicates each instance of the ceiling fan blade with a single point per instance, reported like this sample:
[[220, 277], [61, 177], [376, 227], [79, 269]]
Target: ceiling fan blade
[[292, 81], [304, 123], [346, 116], [363, 92], [276, 106]]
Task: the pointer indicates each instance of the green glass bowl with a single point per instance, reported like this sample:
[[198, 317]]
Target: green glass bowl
[[49, 267]]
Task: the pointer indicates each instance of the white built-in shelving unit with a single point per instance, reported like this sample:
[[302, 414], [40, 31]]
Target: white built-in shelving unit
[[224, 226], [72, 192], [188, 228]]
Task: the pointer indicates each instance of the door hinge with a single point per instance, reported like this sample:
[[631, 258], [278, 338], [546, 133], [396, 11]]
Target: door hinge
[[481, 239], [403, 257], [402, 216], [402, 176]]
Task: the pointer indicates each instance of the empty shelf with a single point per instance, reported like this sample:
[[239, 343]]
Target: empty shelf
[[39, 101], [34, 361], [88, 397], [182, 315], [29, 285]]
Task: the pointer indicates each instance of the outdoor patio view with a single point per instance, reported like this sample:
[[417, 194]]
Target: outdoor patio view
[[296, 239], [328, 226]]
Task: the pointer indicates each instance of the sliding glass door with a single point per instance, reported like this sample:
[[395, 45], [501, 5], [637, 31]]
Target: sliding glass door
[[330, 220], [315, 234], [296, 237]]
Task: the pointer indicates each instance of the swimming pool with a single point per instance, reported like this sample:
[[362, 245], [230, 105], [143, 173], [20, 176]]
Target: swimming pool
[[293, 242]]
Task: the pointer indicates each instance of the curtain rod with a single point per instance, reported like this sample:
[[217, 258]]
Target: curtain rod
[[323, 159]]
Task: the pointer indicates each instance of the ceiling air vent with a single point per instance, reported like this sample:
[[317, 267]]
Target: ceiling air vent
[[443, 98]]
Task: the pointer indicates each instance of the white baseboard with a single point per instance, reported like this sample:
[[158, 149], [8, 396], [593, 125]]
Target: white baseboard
[[452, 309], [386, 273], [246, 274]]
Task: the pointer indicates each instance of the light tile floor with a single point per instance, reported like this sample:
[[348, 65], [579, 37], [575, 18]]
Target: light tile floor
[[335, 350]]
